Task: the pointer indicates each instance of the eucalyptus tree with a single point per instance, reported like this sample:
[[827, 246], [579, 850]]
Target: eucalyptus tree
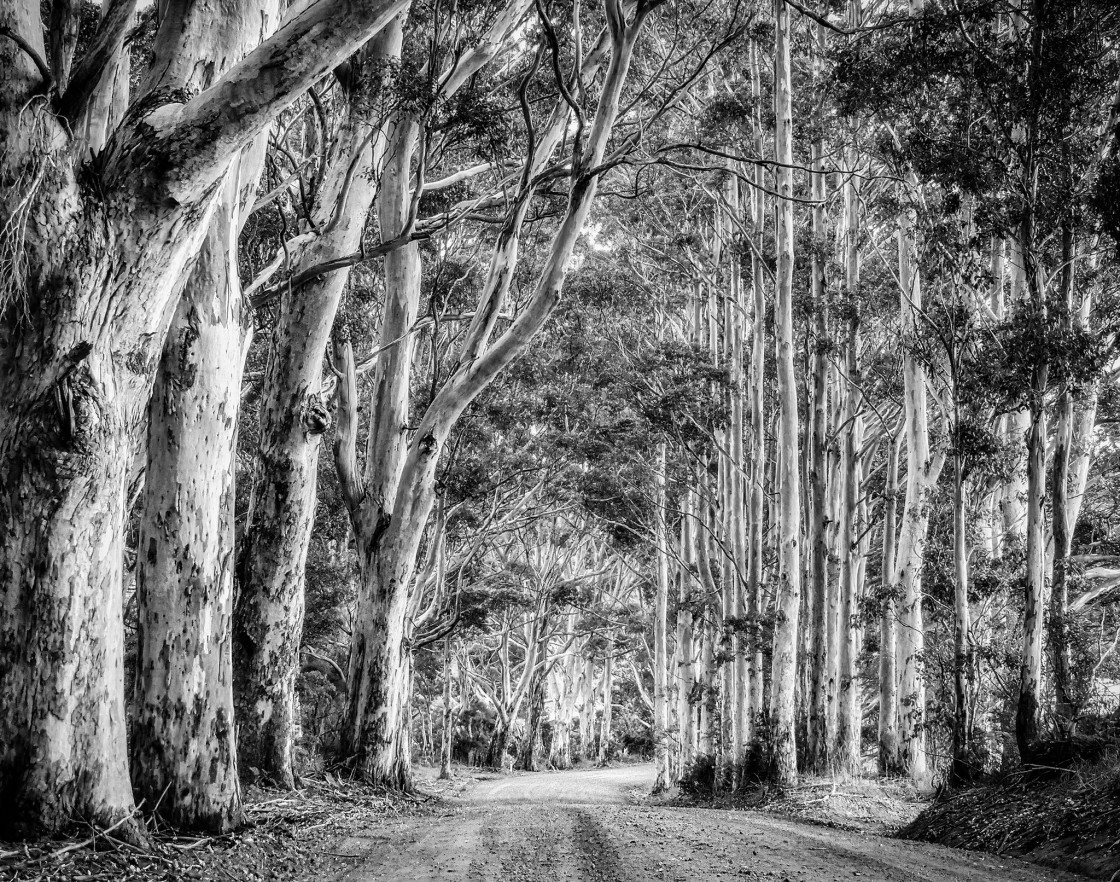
[[96, 248], [1017, 122], [372, 95], [390, 504], [783, 680], [182, 746]]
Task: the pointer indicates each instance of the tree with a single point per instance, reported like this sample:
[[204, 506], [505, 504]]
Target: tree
[[83, 326]]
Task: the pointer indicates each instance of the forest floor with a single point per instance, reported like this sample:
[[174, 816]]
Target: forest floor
[[1069, 820], [598, 826], [290, 836]]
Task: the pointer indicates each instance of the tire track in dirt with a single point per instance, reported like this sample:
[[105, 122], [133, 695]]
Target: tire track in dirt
[[581, 827]]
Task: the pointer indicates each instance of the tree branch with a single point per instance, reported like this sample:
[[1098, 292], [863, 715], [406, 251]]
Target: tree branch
[[29, 51], [202, 137], [107, 43]]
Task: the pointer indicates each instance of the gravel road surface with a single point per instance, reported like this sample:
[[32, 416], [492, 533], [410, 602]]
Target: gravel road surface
[[588, 825]]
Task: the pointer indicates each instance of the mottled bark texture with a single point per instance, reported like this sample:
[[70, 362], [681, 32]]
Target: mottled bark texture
[[182, 747], [93, 269], [293, 418]]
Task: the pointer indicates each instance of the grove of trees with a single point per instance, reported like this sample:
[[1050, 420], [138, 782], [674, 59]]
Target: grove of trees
[[724, 382]]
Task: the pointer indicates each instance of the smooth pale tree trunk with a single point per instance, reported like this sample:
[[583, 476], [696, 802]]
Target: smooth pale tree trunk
[[387, 557], [390, 508], [293, 417], [736, 690], [1028, 723], [1063, 524], [921, 474], [821, 601], [783, 747], [755, 538], [889, 754], [849, 703], [587, 708], [685, 645], [184, 759], [706, 672], [1013, 494], [664, 777]]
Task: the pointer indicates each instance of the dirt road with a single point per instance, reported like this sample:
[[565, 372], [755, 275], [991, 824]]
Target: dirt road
[[585, 825]]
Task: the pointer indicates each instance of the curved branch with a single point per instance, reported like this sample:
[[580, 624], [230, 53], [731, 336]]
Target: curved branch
[[29, 51]]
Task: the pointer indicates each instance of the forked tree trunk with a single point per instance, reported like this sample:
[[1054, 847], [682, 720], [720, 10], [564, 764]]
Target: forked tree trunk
[[293, 417], [390, 508], [783, 747]]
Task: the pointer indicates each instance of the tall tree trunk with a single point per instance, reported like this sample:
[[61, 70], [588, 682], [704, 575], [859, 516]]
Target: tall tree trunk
[[448, 733], [783, 747], [821, 747], [531, 749], [737, 696], [755, 541], [293, 417], [106, 264], [964, 756], [391, 506], [889, 752], [686, 668], [921, 474], [849, 704], [664, 777], [184, 759], [184, 756], [1061, 509], [1028, 712]]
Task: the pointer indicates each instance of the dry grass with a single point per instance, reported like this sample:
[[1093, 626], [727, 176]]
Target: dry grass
[[289, 836], [1068, 819]]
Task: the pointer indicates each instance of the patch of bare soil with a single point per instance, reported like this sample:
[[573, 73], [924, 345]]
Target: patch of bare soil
[[1071, 822], [290, 836]]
